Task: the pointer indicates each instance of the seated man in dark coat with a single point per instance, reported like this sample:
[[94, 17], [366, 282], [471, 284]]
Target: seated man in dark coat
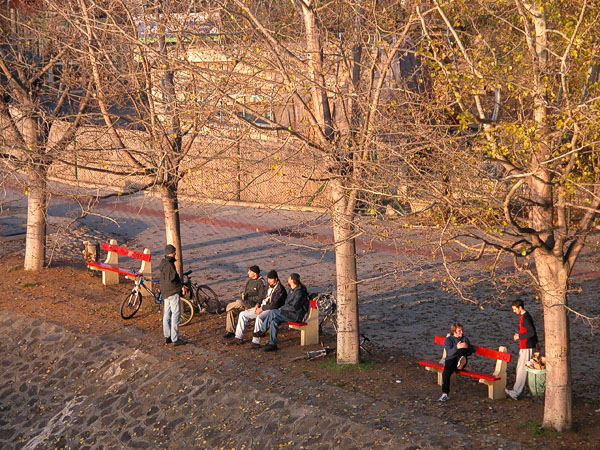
[[275, 299], [294, 310], [254, 292]]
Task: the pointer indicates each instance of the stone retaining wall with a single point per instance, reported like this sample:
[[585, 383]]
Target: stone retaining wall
[[61, 390]]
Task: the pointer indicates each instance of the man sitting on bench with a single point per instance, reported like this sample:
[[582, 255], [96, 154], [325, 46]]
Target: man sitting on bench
[[253, 293], [276, 295], [458, 348], [294, 310]]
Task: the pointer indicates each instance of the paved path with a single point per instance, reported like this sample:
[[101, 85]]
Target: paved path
[[403, 302]]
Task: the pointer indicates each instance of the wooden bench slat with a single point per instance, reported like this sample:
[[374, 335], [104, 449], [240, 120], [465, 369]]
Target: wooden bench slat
[[482, 351], [494, 354], [103, 266], [468, 373], [439, 340], [125, 252]]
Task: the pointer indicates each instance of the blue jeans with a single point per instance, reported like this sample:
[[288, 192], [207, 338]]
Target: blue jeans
[[171, 316], [271, 318]]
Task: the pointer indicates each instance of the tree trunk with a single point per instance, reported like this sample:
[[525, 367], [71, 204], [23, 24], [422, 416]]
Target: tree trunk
[[37, 204], [346, 276], [172, 225], [553, 276]]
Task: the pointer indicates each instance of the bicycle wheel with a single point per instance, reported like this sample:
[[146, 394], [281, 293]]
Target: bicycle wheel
[[187, 312], [208, 300], [131, 305]]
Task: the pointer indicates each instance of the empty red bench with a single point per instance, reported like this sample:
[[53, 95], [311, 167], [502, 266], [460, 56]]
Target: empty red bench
[[110, 267]]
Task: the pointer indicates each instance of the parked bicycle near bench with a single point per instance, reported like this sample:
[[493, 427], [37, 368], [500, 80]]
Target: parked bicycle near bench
[[327, 306], [200, 297]]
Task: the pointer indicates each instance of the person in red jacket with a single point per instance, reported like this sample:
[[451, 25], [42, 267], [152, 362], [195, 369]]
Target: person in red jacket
[[528, 342]]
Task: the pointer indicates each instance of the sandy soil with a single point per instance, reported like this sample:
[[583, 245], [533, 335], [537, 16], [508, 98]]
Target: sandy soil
[[67, 294]]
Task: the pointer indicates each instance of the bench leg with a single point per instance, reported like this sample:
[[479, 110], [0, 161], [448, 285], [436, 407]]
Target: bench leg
[[109, 278], [309, 335], [496, 389]]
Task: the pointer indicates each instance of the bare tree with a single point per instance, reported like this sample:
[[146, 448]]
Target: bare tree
[[520, 154], [328, 70], [43, 87], [137, 55]]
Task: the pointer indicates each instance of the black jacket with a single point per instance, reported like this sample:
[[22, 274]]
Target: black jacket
[[277, 297], [254, 292], [170, 283], [296, 304], [530, 335], [451, 346]]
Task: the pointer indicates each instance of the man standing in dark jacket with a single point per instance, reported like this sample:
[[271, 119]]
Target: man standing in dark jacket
[[275, 298], [294, 310], [254, 292], [171, 286], [528, 341]]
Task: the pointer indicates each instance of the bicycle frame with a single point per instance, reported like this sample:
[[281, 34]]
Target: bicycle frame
[[133, 301], [139, 282]]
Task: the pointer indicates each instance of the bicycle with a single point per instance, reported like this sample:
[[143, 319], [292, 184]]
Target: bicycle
[[202, 298], [327, 306], [314, 354]]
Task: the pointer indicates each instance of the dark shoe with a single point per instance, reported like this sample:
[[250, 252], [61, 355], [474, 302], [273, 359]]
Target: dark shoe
[[254, 346], [229, 335], [179, 342], [259, 334], [167, 341], [270, 348], [461, 362]]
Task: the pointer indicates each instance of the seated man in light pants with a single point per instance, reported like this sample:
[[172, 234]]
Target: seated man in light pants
[[276, 295], [294, 310]]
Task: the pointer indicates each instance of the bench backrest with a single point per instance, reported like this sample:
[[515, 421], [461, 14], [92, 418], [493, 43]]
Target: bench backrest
[[126, 252], [482, 351]]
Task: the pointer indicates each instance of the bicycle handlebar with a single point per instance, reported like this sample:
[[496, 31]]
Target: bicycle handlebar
[[141, 275]]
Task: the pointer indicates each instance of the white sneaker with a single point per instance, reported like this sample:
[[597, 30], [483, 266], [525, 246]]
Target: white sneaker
[[511, 394], [444, 398], [461, 362]]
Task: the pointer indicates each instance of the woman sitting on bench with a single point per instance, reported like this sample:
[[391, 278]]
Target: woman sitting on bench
[[458, 348]]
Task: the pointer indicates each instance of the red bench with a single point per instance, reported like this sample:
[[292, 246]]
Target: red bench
[[496, 381], [110, 267], [309, 330]]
